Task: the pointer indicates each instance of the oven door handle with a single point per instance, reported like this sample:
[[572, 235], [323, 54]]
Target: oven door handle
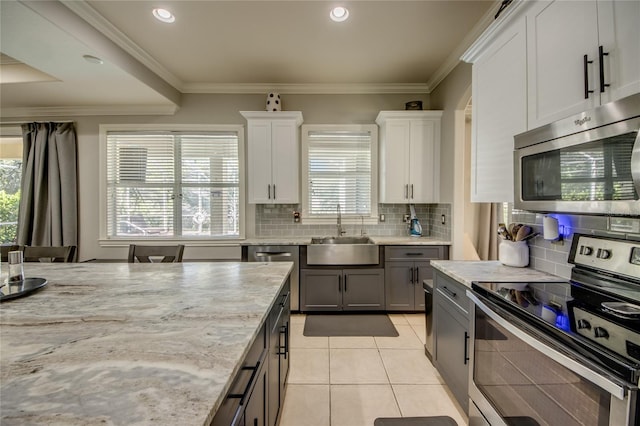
[[584, 372]]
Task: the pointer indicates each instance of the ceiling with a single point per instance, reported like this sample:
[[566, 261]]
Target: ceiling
[[222, 47]]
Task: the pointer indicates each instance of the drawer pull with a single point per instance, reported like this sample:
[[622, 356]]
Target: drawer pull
[[413, 254], [466, 347], [451, 293]]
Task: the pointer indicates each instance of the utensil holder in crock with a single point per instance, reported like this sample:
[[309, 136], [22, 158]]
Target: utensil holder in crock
[[513, 253]]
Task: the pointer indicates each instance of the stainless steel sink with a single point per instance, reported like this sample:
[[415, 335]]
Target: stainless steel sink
[[341, 240], [342, 251]]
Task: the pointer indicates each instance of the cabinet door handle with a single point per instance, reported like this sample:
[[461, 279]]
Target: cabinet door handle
[[411, 275], [417, 274], [466, 347], [601, 55], [412, 191], [406, 191], [243, 396], [451, 293], [345, 283], [274, 191], [339, 283], [284, 349], [269, 191], [586, 76]]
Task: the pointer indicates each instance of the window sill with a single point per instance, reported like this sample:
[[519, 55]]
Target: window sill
[[124, 242]]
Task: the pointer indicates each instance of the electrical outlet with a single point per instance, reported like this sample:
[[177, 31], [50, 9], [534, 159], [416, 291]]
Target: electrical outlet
[[407, 218], [382, 217], [442, 219]]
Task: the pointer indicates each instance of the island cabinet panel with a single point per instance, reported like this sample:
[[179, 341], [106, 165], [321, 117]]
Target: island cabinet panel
[[342, 289], [257, 393], [243, 389], [405, 269], [451, 323], [278, 362]]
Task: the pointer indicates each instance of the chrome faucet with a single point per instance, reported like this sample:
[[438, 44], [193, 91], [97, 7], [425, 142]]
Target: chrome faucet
[[341, 231]]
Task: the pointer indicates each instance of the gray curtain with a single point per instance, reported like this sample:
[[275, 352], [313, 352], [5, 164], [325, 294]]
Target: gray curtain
[[487, 223], [48, 213]]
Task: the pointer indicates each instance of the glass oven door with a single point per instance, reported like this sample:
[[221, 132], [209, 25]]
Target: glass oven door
[[524, 380]]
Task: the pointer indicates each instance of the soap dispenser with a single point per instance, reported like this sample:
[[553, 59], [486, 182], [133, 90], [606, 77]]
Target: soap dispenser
[[415, 229]]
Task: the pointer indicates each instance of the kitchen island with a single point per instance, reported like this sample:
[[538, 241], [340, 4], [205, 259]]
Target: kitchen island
[[107, 343]]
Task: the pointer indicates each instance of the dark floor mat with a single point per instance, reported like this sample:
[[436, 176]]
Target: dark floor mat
[[349, 325], [416, 421]]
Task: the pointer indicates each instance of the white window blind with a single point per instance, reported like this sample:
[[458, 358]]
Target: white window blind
[[339, 164], [173, 184]]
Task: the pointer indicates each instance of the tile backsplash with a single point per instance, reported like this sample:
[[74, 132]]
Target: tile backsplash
[[552, 257], [277, 221]]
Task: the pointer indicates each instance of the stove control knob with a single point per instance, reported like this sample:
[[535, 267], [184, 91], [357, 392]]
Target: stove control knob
[[583, 323], [586, 250], [601, 332], [604, 254]]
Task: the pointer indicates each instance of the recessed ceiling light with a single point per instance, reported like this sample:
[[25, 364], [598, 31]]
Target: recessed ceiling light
[[339, 14], [164, 15], [93, 59]]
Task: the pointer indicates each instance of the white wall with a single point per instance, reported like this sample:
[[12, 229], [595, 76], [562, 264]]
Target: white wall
[[208, 109], [452, 96]]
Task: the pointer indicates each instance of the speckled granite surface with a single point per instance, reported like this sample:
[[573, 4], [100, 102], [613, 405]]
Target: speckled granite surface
[[294, 241], [130, 344], [466, 271]]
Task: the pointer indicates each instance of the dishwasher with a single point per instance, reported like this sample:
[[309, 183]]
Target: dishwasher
[[427, 285], [278, 254]]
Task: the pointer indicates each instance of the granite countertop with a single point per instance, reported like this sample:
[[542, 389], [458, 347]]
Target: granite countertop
[[387, 241], [466, 271], [130, 344]]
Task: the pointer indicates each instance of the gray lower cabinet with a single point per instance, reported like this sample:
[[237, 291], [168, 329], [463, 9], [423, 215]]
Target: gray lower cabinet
[[278, 358], [257, 392], [342, 289], [405, 269], [451, 323]]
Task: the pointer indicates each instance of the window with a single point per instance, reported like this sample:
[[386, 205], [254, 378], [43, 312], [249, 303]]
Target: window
[[173, 184], [339, 167], [10, 178]]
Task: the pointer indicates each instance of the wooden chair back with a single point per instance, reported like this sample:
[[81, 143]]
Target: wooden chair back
[[5, 249], [49, 254], [144, 254]]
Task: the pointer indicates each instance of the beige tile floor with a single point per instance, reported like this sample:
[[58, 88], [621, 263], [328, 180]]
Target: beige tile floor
[[351, 381]]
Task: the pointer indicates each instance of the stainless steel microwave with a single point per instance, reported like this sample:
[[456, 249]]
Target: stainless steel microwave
[[585, 164]]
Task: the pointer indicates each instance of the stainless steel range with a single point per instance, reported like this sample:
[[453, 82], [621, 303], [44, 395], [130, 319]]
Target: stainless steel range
[[561, 353]]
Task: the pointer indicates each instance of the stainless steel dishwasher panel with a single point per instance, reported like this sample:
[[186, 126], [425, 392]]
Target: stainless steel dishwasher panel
[[427, 285], [280, 254]]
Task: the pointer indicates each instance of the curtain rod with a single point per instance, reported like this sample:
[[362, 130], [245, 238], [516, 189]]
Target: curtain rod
[[13, 123]]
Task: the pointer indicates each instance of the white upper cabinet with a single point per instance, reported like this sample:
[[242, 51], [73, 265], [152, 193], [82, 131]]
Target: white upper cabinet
[[529, 70], [409, 156], [499, 111], [581, 54], [273, 156]]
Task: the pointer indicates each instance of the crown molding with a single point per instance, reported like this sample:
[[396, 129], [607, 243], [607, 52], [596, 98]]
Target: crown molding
[[305, 89], [454, 58], [475, 50], [101, 24], [73, 111]]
